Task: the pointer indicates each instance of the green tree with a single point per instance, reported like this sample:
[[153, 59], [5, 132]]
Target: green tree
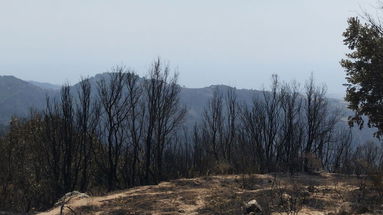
[[364, 72]]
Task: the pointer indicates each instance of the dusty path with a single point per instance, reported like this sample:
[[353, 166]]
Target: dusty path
[[184, 196], [221, 195]]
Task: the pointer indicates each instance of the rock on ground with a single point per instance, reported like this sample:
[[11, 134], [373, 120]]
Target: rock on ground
[[71, 196], [252, 207]]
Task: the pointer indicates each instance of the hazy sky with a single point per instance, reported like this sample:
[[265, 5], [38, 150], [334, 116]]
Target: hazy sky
[[234, 42]]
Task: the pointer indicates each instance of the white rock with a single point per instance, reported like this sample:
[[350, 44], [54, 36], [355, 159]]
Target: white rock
[[252, 207]]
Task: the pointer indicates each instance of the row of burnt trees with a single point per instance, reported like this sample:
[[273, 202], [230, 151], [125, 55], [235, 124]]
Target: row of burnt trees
[[282, 129], [123, 127], [120, 131], [101, 135]]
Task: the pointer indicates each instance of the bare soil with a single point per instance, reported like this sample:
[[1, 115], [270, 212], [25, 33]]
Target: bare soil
[[277, 194]]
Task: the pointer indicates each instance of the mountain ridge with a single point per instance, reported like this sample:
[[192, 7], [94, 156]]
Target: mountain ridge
[[45, 85], [18, 97]]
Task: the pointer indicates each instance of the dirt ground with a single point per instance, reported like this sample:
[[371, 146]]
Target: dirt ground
[[277, 194]]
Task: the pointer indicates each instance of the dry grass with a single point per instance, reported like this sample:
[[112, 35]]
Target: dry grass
[[277, 194]]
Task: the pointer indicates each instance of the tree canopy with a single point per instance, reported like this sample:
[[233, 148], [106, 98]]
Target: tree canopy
[[364, 72]]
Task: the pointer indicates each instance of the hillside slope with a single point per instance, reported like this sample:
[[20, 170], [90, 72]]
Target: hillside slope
[[17, 97], [304, 194]]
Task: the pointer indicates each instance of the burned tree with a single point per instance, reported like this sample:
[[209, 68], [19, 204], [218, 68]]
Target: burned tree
[[114, 114], [164, 114]]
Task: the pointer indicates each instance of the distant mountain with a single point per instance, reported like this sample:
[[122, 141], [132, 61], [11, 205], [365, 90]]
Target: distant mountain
[[18, 96], [46, 86]]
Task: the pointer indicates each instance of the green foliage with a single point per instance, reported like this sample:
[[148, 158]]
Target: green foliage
[[364, 72]]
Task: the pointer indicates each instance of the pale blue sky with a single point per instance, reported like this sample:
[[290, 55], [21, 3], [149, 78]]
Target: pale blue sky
[[234, 42]]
